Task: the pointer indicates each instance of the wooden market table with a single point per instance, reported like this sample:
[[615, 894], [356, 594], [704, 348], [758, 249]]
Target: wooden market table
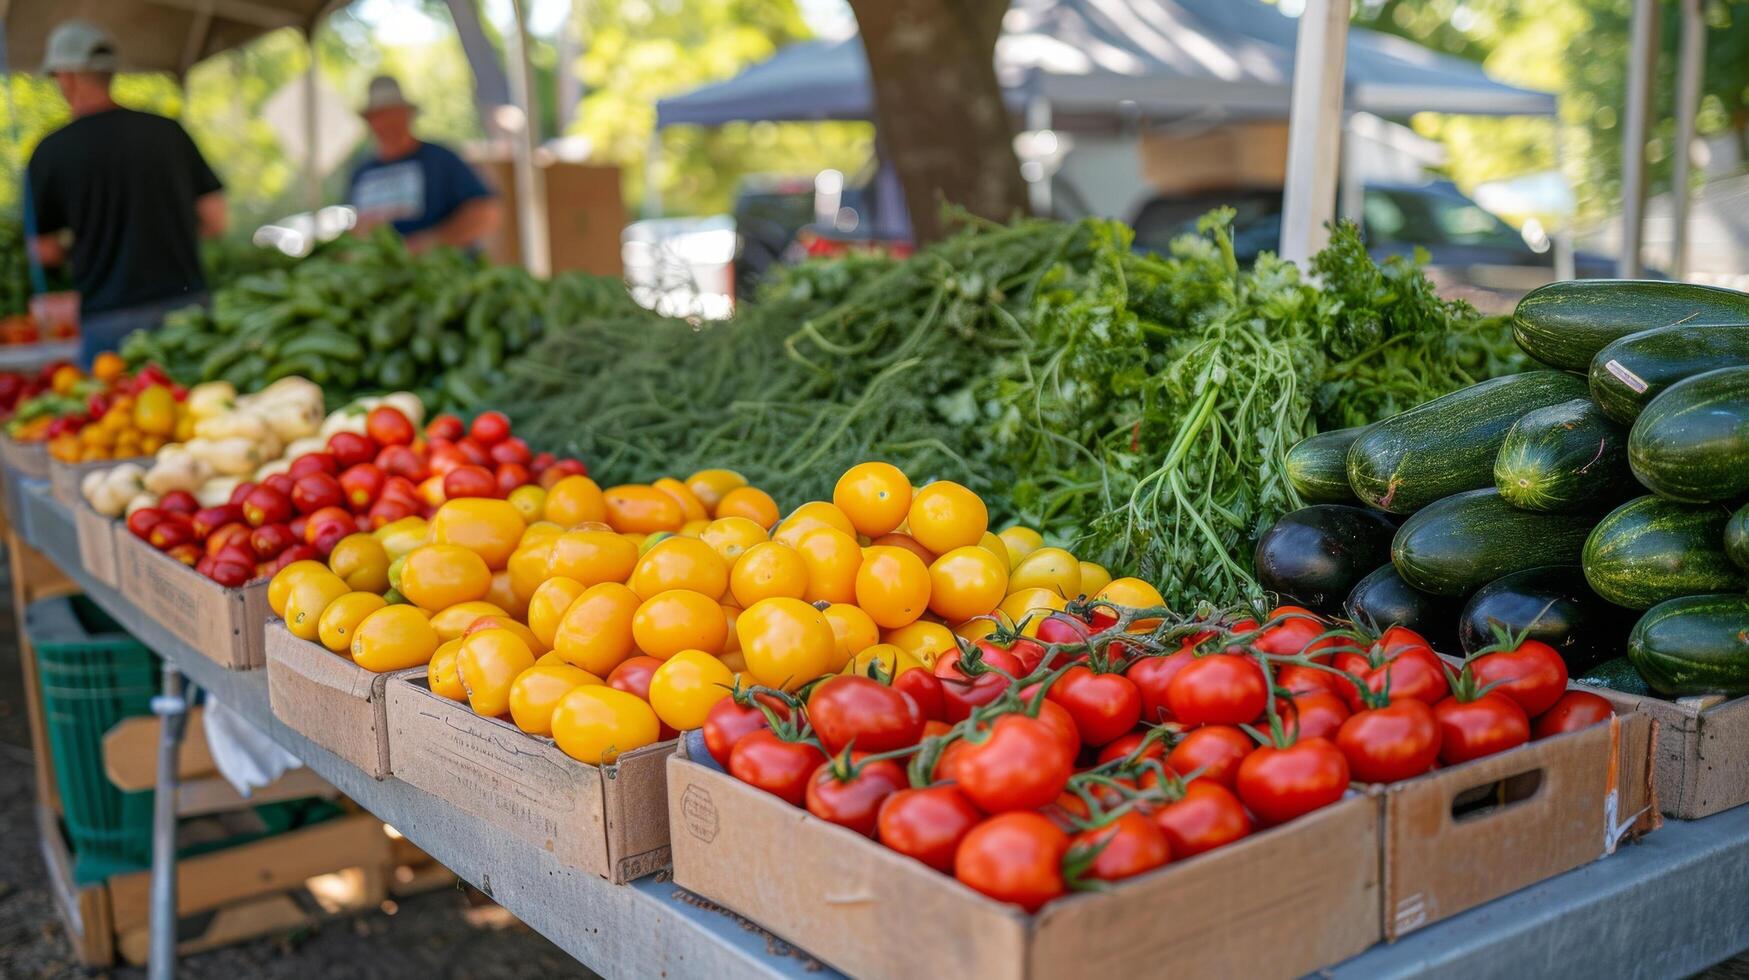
[[1665, 907]]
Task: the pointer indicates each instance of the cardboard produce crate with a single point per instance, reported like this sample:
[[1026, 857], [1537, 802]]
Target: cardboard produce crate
[[65, 478], [225, 625], [29, 459], [97, 543], [328, 699], [1698, 764], [1459, 837], [869, 911], [609, 820]]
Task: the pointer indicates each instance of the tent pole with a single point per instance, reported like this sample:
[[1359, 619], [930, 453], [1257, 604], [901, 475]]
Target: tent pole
[[312, 131], [1563, 236], [1690, 65], [652, 176], [531, 196], [1642, 63], [1038, 190], [1351, 201], [1314, 130]]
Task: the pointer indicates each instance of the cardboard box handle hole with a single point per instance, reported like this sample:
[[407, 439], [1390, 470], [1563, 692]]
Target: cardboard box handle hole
[[1480, 802]]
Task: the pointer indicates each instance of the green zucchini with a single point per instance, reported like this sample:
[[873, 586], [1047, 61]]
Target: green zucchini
[[1562, 458], [1692, 442], [1564, 324], [1448, 445], [1630, 372], [1696, 644], [1737, 537], [1651, 549], [1318, 467], [1616, 674], [1457, 545]]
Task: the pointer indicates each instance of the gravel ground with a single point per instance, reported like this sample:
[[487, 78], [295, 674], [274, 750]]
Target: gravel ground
[[454, 932]]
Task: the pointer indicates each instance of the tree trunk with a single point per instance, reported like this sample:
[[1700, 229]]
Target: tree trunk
[[491, 84], [938, 106]]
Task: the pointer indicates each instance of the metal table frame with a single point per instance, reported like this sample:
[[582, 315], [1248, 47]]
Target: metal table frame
[[1666, 907]]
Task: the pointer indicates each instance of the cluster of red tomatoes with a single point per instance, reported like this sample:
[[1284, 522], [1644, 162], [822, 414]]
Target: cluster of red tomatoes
[[1120, 739]]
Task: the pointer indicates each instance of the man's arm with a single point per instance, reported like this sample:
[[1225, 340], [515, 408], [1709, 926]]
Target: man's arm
[[49, 250], [470, 223], [210, 209]]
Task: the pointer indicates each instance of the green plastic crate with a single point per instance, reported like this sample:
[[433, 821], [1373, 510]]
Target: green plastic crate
[[93, 675]]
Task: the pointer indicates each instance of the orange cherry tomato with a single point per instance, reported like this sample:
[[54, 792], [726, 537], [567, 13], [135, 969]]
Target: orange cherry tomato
[[596, 630], [596, 724], [832, 558], [691, 508], [945, 516], [750, 502], [852, 631], [732, 536], [924, 640], [539, 689], [709, 486], [641, 509], [767, 570], [967, 582], [437, 576], [892, 586], [452, 622], [875, 496], [808, 517], [489, 662], [361, 561], [573, 500], [679, 619], [680, 563], [786, 642], [488, 527], [441, 674], [393, 638], [592, 557], [548, 604]]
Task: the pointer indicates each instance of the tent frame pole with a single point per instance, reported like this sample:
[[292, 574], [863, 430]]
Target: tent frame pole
[[1038, 191], [312, 131], [1562, 238], [1642, 64], [531, 192], [652, 172], [1314, 132], [1690, 67]]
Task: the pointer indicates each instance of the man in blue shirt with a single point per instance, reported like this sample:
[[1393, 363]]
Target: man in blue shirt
[[424, 190]]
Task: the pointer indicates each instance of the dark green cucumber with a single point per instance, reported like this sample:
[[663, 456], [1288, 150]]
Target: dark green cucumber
[[1628, 373], [1562, 458], [1737, 537], [1651, 549], [1617, 674], [1318, 467], [1565, 324], [1457, 545], [1692, 442], [1448, 445], [1696, 644]]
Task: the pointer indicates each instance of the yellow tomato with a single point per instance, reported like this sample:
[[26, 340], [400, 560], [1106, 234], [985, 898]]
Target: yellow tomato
[[709, 486], [1020, 542], [502, 594], [542, 531], [596, 724], [966, 582], [308, 599], [786, 642], [731, 536], [832, 558], [362, 562], [488, 527], [982, 626], [548, 604], [680, 563], [539, 689], [573, 500], [437, 576], [993, 544], [750, 502], [945, 516], [1135, 593], [924, 640], [489, 662], [393, 638], [529, 566], [441, 674], [1031, 606], [340, 620], [496, 622], [592, 557], [875, 496], [1094, 577], [530, 500], [694, 529], [108, 366], [641, 509], [453, 621], [892, 586], [691, 508], [1048, 568], [679, 619], [155, 411], [596, 630], [852, 633], [402, 536], [64, 378], [768, 570], [683, 689], [893, 661], [808, 517], [279, 588]]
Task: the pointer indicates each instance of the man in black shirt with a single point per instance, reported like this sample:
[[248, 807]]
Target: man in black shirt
[[130, 189]]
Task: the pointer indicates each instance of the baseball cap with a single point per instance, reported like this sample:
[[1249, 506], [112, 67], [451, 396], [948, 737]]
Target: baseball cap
[[384, 93], [78, 45]]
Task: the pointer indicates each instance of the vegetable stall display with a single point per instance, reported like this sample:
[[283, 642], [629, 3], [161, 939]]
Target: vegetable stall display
[[1563, 505]]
